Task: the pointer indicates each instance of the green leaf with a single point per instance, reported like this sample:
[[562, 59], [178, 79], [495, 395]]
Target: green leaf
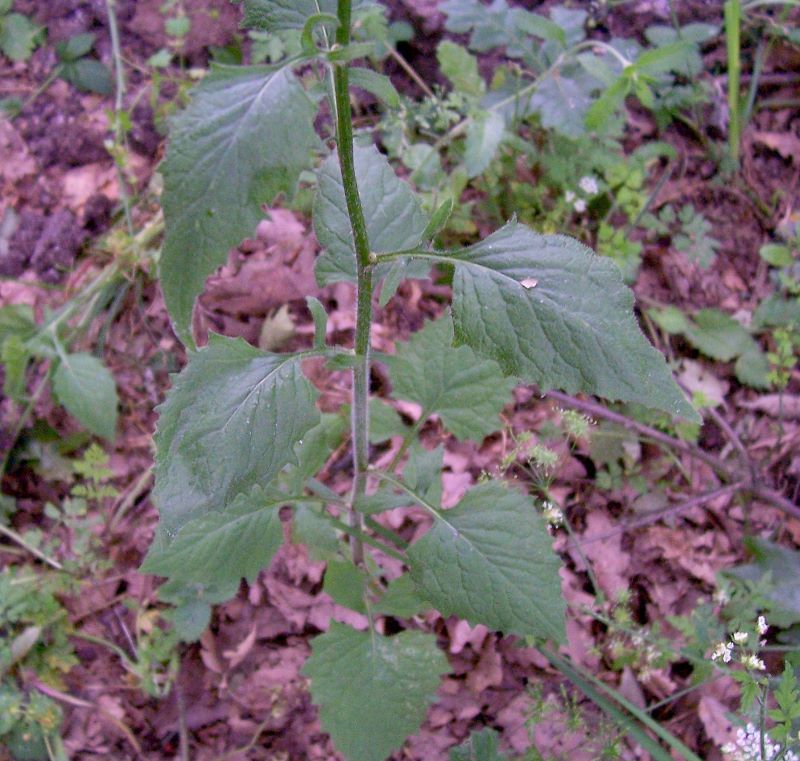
[[401, 599], [373, 691], [75, 47], [484, 135], [15, 357], [379, 85], [16, 320], [280, 15], [717, 335], [87, 389], [481, 746], [346, 584], [245, 137], [460, 67], [88, 75], [466, 391], [320, 321], [316, 533], [551, 312], [775, 311], [752, 368], [489, 560], [422, 472], [192, 612], [18, 36], [384, 422], [313, 451], [230, 422], [223, 546], [776, 254], [393, 214], [562, 101]]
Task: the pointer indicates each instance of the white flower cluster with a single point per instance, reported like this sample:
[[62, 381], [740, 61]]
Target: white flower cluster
[[723, 651], [747, 747], [588, 184]]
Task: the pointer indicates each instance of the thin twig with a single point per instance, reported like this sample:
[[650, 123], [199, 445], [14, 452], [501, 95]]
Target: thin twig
[[15, 537]]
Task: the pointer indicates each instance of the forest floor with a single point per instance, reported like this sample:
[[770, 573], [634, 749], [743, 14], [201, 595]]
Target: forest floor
[[651, 525]]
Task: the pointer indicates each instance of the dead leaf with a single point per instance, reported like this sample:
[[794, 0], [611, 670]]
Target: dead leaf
[[242, 650], [784, 143], [717, 725], [786, 406]]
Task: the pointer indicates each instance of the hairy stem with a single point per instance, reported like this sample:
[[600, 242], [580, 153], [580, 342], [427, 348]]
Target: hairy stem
[[344, 143]]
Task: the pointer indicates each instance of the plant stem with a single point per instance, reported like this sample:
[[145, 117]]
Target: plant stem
[[344, 143]]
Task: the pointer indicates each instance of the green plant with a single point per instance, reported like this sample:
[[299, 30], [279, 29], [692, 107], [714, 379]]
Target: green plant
[[239, 435], [34, 637], [19, 36]]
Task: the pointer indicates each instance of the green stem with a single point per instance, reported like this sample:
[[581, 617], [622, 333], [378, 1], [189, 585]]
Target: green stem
[[733, 15], [344, 143]]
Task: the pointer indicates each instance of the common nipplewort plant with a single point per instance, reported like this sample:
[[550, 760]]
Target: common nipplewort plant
[[240, 436]]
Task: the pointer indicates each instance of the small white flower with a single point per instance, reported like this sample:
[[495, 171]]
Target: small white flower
[[580, 206], [722, 651], [740, 638], [569, 196], [552, 514], [721, 596], [762, 625], [588, 185], [753, 662]]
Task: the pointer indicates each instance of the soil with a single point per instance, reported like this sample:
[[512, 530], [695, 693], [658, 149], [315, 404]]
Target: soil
[[239, 693]]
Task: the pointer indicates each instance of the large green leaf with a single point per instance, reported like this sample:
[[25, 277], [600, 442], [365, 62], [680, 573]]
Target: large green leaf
[[87, 389], [553, 313], [489, 560], [393, 214], [230, 422], [223, 546], [373, 691], [245, 137], [466, 391], [279, 15]]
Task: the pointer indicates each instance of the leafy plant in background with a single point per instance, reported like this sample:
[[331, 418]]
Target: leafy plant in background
[[239, 435], [688, 230]]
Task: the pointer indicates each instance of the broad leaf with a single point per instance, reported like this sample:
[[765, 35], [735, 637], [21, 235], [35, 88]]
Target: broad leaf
[[401, 599], [280, 15], [489, 560], [553, 313], [245, 137], [718, 335], [223, 546], [373, 691], [466, 391], [395, 220], [230, 422], [346, 584], [87, 389]]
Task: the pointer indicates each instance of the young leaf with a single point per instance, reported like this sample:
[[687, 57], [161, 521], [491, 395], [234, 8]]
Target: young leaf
[[280, 15], [230, 422], [466, 391], [553, 313], [394, 217], [389, 683], [87, 389], [489, 560], [223, 546], [245, 137], [18, 36]]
